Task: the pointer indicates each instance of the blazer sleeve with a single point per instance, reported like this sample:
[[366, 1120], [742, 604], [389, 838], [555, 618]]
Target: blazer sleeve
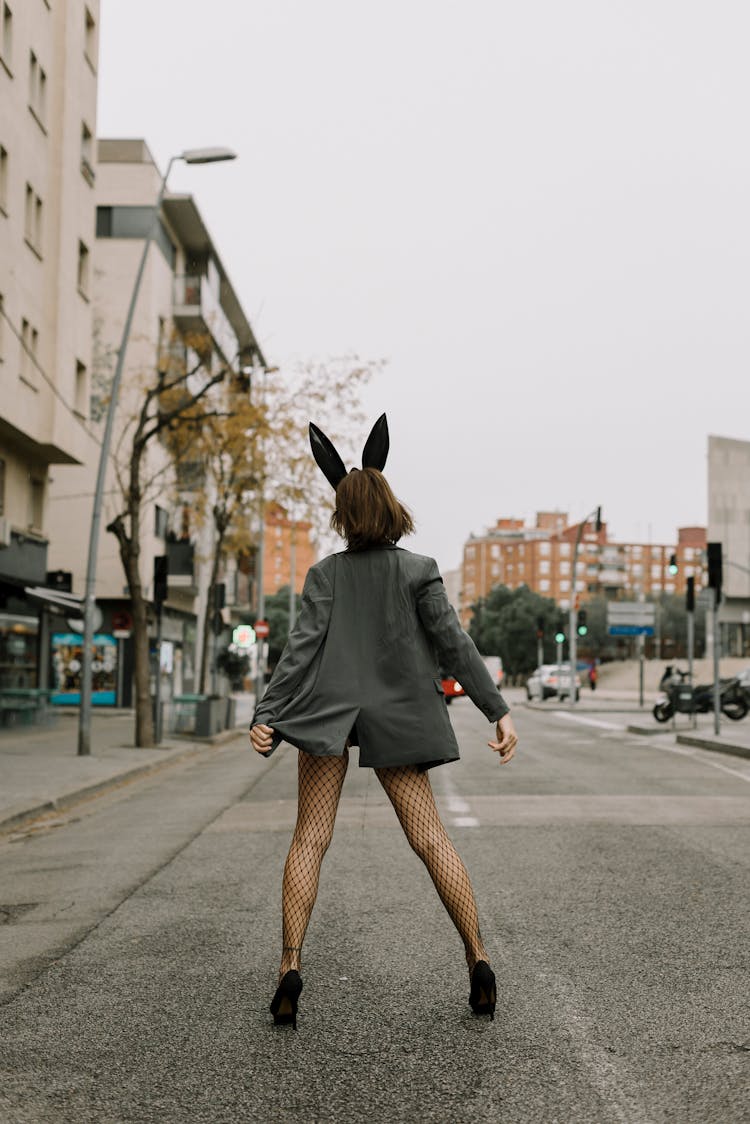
[[455, 648], [301, 647]]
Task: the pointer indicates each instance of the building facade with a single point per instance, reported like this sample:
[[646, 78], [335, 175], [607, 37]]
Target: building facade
[[729, 524], [541, 556], [288, 552], [186, 301], [48, 93]]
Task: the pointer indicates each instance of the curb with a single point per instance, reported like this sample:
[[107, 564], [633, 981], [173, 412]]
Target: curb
[[714, 744], [543, 708], [97, 788]]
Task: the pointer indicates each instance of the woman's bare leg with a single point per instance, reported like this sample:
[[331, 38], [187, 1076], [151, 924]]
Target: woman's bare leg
[[410, 793], [320, 781]]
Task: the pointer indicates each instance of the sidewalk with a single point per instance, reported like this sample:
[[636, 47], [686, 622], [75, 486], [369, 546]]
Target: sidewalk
[[40, 771]]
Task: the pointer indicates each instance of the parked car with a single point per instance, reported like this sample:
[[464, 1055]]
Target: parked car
[[552, 680], [452, 689], [494, 665]]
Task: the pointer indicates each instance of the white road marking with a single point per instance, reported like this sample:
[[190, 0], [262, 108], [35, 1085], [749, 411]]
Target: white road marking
[[457, 805], [589, 721]]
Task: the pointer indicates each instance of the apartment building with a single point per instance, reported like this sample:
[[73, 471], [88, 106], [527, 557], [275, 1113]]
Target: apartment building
[[185, 296], [541, 556], [729, 524], [289, 552], [48, 92]]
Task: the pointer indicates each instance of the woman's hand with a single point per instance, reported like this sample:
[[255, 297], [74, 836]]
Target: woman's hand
[[261, 738], [507, 739]]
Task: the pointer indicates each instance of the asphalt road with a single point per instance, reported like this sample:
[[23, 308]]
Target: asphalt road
[[140, 945]]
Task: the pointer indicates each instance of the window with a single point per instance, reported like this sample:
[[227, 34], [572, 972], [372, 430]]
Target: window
[[134, 222], [544, 548], [656, 571], [494, 551], [6, 37], [544, 585], [161, 522], [81, 396], [32, 222], [3, 179], [83, 269], [470, 551], [89, 45], [564, 585], [37, 89], [544, 567], [564, 567], [36, 504], [87, 154], [637, 551], [29, 347], [565, 550]]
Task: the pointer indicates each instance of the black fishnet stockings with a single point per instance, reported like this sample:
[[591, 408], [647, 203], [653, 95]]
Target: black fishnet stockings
[[320, 781], [410, 793]]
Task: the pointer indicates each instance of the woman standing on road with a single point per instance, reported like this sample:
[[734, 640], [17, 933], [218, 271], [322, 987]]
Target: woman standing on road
[[361, 667]]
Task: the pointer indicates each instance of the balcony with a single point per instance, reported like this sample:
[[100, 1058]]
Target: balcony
[[611, 577], [24, 558], [181, 561], [197, 311]]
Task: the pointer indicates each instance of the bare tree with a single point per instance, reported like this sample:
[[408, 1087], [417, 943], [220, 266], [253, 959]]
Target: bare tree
[[176, 398]]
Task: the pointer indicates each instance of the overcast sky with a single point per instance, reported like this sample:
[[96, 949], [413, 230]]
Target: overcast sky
[[536, 211]]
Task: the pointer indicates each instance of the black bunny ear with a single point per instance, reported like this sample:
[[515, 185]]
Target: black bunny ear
[[375, 452], [327, 458]]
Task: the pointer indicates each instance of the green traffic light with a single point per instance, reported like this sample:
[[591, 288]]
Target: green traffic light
[[582, 629], [673, 567], [559, 637]]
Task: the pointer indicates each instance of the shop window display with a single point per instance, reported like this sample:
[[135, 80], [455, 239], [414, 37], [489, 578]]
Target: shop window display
[[67, 660]]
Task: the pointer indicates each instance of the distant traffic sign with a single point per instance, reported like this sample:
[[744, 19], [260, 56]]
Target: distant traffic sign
[[631, 630], [262, 629]]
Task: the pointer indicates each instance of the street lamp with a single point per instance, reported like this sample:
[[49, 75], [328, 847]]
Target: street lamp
[[596, 514], [190, 156]]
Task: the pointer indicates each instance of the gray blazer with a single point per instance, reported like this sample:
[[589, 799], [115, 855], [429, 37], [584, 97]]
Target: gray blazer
[[363, 662]]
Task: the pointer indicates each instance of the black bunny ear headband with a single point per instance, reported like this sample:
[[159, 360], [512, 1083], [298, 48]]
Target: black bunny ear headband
[[374, 454]]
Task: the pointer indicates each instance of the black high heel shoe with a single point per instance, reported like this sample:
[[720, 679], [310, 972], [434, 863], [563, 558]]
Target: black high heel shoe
[[284, 1002], [483, 994]]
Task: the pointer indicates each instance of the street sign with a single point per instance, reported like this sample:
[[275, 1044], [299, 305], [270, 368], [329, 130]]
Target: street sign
[[243, 636], [121, 633], [641, 613], [262, 629], [631, 630]]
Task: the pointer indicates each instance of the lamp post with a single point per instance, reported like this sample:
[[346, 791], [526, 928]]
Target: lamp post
[[190, 156], [596, 514]]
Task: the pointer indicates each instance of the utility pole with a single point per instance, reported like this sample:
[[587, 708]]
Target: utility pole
[[596, 514]]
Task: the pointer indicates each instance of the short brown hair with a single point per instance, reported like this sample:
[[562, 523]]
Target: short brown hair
[[367, 512]]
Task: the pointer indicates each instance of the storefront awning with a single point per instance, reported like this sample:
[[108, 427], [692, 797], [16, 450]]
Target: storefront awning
[[66, 602]]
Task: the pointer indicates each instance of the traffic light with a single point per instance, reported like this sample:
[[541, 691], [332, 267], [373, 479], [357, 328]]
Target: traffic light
[[673, 567], [714, 568], [582, 626], [540, 628], [690, 595], [161, 573], [559, 636]]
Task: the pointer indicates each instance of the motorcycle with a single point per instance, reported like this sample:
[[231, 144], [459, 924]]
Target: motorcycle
[[678, 697]]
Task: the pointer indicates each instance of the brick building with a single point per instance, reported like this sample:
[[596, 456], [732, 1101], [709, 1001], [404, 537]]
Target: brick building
[[288, 547], [512, 553]]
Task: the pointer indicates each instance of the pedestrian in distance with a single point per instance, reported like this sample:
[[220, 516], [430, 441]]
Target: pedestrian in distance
[[361, 668], [592, 676]]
